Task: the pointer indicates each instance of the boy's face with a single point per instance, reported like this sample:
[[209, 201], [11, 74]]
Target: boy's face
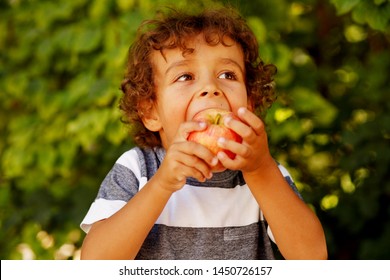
[[210, 77]]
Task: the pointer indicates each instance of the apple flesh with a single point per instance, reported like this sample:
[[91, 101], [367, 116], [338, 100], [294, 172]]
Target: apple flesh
[[215, 129]]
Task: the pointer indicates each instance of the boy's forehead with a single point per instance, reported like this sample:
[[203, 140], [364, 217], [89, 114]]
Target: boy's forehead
[[191, 46]]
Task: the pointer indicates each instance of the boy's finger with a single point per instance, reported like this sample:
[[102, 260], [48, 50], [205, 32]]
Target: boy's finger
[[226, 161], [243, 129], [187, 127], [199, 173], [191, 150], [251, 119], [233, 146], [201, 152], [198, 165]]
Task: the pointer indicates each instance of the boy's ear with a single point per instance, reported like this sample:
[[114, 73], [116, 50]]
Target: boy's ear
[[150, 117]]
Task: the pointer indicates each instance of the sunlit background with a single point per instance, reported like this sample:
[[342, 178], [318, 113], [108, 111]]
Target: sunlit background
[[61, 64]]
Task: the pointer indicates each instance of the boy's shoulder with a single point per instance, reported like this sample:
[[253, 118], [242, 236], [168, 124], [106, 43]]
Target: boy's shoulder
[[144, 160]]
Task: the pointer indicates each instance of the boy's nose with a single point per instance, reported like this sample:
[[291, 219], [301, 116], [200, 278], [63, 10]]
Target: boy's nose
[[210, 93], [209, 87]]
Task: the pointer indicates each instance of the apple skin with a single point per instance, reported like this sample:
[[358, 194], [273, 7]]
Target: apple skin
[[214, 118]]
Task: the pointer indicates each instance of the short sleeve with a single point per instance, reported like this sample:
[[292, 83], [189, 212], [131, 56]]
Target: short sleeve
[[118, 187]]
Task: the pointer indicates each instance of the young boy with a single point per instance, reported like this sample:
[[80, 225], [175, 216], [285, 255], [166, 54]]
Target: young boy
[[161, 200]]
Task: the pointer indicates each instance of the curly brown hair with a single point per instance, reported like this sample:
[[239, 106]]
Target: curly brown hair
[[173, 30]]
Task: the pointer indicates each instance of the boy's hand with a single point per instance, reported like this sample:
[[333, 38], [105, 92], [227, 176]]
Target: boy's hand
[[185, 159], [253, 152]]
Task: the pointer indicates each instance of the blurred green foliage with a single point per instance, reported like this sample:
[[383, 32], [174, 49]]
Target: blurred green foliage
[[61, 64]]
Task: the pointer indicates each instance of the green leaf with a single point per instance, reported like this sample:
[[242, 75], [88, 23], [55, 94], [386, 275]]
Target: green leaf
[[125, 5], [378, 18], [259, 28], [310, 102], [380, 2], [344, 6], [99, 9], [86, 39]]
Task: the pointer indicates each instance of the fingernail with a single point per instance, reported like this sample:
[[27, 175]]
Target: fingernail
[[227, 120], [214, 161], [202, 125], [241, 110], [221, 155], [221, 141]]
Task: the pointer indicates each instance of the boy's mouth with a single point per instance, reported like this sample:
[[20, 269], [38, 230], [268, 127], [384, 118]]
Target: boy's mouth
[[209, 109]]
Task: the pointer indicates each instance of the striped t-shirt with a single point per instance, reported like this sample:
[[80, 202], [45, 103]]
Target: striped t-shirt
[[217, 219]]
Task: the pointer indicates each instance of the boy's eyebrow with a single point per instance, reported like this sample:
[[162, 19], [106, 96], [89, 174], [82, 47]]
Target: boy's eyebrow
[[185, 62], [232, 61], [176, 64]]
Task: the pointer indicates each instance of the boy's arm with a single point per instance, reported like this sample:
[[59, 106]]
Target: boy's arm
[[295, 227], [122, 235]]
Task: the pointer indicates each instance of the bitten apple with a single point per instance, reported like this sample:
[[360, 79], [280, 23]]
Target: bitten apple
[[216, 128]]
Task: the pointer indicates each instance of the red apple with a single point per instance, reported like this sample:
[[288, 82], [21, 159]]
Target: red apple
[[216, 128]]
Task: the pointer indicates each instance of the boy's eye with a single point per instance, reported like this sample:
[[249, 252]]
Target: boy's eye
[[184, 77], [228, 75]]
